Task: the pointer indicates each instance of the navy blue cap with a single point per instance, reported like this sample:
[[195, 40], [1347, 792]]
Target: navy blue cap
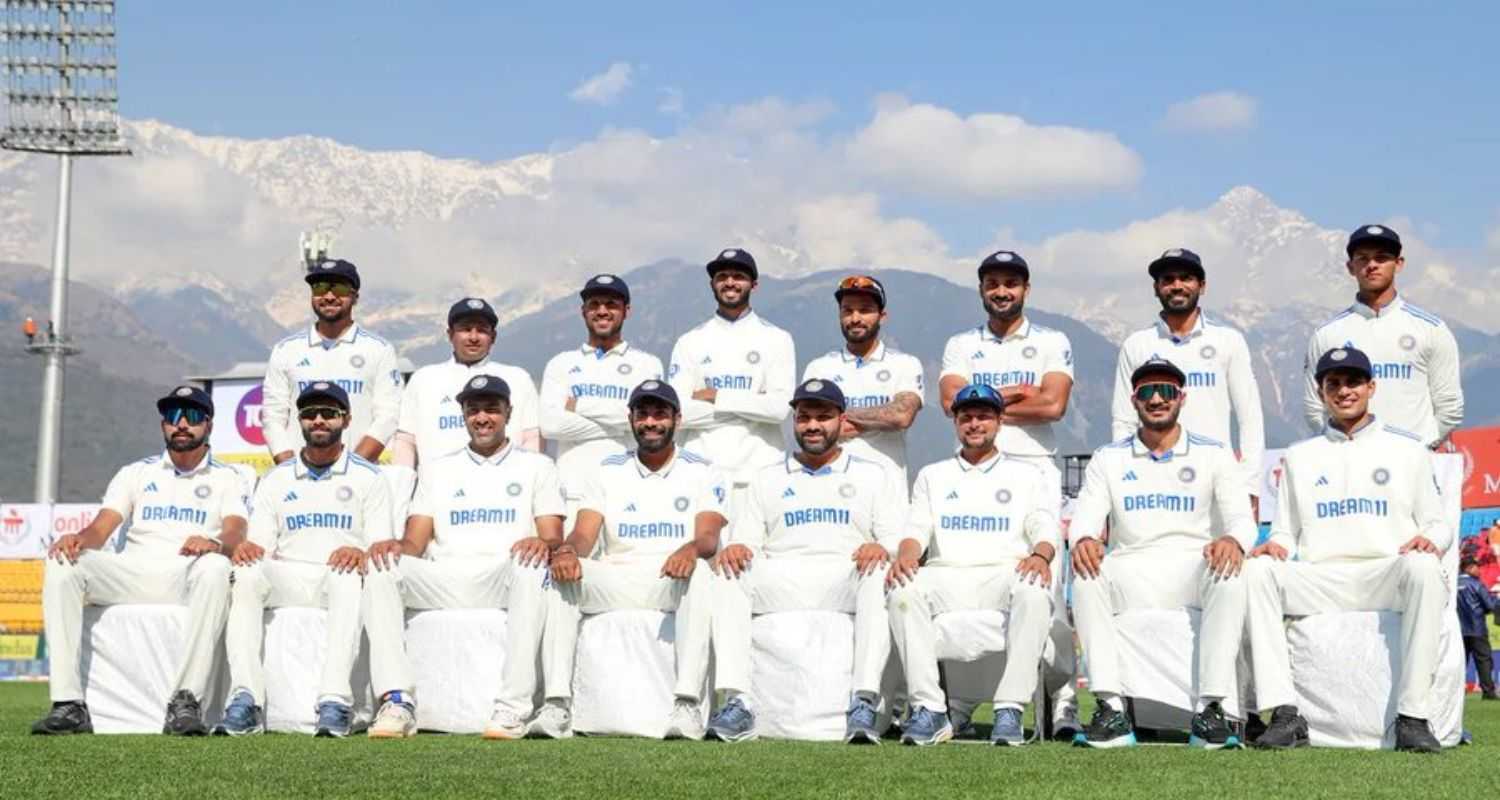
[[333, 269], [1380, 235], [819, 389], [978, 394], [609, 284], [472, 307], [861, 284], [1348, 358], [734, 258], [483, 386], [654, 390], [1005, 259], [323, 390], [1177, 257], [1156, 365], [186, 397]]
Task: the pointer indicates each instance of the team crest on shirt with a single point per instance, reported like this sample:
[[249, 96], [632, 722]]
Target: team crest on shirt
[[1208, 351], [202, 492], [344, 494], [514, 490], [624, 369], [883, 375], [681, 504], [752, 357], [1381, 476], [356, 361], [1408, 342], [1002, 496], [846, 491], [1187, 474], [1028, 352]]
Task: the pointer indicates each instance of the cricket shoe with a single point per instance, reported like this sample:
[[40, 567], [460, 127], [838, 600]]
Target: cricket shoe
[[1109, 728], [335, 720], [686, 721], [1287, 730], [1211, 730], [184, 716], [554, 721], [733, 723], [64, 718], [242, 717], [926, 727], [396, 719]]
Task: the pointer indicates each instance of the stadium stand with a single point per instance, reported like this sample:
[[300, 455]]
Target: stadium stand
[[1477, 520], [21, 597]]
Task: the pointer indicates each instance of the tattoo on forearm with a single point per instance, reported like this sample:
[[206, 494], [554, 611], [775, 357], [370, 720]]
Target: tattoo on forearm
[[893, 416]]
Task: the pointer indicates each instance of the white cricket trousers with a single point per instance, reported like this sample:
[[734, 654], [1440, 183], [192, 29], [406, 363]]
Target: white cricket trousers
[[937, 590], [469, 582], [770, 585], [619, 585], [1064, 667], [1412, 584], [274, 583], [104, 579], [1161, 577]]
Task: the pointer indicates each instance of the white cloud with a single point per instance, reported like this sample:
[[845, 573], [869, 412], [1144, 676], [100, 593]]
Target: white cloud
[[931, 149], [671, 102], [1212, 112], [606, 87]]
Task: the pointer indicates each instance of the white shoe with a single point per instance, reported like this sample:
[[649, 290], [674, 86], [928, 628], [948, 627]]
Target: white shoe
[[686, 721], [554, 721], [504, 724], [394, 721]]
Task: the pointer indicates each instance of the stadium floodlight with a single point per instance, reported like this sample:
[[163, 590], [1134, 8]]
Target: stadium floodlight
[[59, 68]]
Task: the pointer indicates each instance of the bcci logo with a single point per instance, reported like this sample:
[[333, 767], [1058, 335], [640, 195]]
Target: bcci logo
[[1208, 351], [202, 492], [846, 491], [1381, 476], [1408, 342], [752, 357], [883, 375], [1003, 496], [344, 494], [1187, 474], [681, 504], [1028, 352], [356, 361], [514, 490], [624, 369]]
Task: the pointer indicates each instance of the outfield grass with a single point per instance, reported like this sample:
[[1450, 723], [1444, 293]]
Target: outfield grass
[[601, 769]]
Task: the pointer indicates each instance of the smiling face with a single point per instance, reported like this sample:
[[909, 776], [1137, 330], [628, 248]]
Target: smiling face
[[654, 424], [977, 426], [732, 288], [333, 300], [1004, 293], [1178, 290], [472, 338], [1346, 394], [1158, 402], [860, 318], [322, 425], [183, 436], [604, 314], [816, 425], [485, 419]]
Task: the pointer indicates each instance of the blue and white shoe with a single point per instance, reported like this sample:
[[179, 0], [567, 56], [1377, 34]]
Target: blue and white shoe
[[860, 727], [334, 720], [926, 727], [963, 725], [242, 717], [732, 723], [1008, 731]]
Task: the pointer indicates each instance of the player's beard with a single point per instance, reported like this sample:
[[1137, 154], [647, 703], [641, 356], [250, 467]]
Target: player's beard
[[1179, 305], [735, 305], [325, 315], [608, 333], [869, 335], [187, 445], [321, 437], [817, 448], [1007, 314], [649, 445], [1162, 425]]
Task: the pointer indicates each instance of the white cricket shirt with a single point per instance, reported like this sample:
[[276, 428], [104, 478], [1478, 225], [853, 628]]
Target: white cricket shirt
[[302, 515], [1022, 358], [431, 415], [973, 515], [163, 507], [360, 362], [600, 382], [869, 382], [480, 506], [827, 512], [651, 514]]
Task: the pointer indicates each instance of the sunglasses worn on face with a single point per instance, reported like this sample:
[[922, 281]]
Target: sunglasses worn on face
[[194, 416], [339, 288], [320, 412], [1167, 391]]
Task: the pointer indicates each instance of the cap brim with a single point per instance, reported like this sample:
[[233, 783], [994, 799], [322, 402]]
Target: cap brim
[[622, 294], [306, 399], [1160, 371], [1318, 375], [487, 316], [1161, 264], [463, 397], [724, 263], [166, 403], [814, 398], [1000, 406], [319, 277], [1020, 269], [641, 398], [1392, 247], [838, 294]]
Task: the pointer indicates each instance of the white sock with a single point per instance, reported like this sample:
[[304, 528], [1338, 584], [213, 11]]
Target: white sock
[[1111, 699]]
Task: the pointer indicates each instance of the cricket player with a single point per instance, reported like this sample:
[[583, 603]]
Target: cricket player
[[989, 534], [185, 509], [1359, 527], [1212, 355], [338, 350], [311, 522], [431, 424], [882, 385], [1412, 353], [735, 374], [1161, 491], [481, 524], [817, 530], [1032, 366], [584, 389], [660, 509]]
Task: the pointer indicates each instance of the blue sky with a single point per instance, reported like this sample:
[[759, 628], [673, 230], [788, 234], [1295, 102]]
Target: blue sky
[[1362, 111]]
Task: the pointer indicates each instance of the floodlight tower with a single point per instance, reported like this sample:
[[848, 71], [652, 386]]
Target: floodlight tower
[[60, 73]]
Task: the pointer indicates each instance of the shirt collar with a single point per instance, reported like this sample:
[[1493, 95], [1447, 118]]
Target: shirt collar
[[1021, 332], [983, 466], [301, 472], [840, 464], [1139, 449], [1335, 435], [878, 354], [493, 460], [483, 364], [314, 338], [1369, 313], [745, 317], [646, 472], [1166, 333], [166, 462], [618, 350]]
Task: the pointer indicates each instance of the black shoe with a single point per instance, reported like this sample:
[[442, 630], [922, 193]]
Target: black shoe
[[1492, 695], [1211, 729], [184, 716], [1108, 728], [1414, 736], [1254, 727], [64, 718], [1287, 730]]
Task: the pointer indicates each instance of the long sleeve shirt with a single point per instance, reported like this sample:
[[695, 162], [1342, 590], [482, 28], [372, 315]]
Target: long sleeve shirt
[[360, 362], [1474, 602]]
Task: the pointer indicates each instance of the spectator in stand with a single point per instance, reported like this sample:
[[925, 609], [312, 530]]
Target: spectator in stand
[[1474, 602]]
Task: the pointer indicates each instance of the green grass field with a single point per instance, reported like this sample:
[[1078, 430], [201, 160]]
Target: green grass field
[[599, 769]]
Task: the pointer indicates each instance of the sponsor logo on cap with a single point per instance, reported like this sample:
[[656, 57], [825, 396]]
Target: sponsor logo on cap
[[650, 386], [344, 494], [202, 492], [1381, 476], [479, 382], [356, 361], [1003, 496], [1408, 342], [605, 279], [681, 504], [846, 490], [1208, 351], [1028, 352], [883, 375], [1375, 230], [729, 254], [474, 303], [184, 392], [514, 490], [1339, 355], [814, 386], [624, 369], [1187, 474]]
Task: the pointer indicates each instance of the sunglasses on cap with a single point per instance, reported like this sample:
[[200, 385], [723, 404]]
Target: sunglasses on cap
[[977, 393], [1167, 391], [339, 288], [194, 416], [860, 282], [320, 412]]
